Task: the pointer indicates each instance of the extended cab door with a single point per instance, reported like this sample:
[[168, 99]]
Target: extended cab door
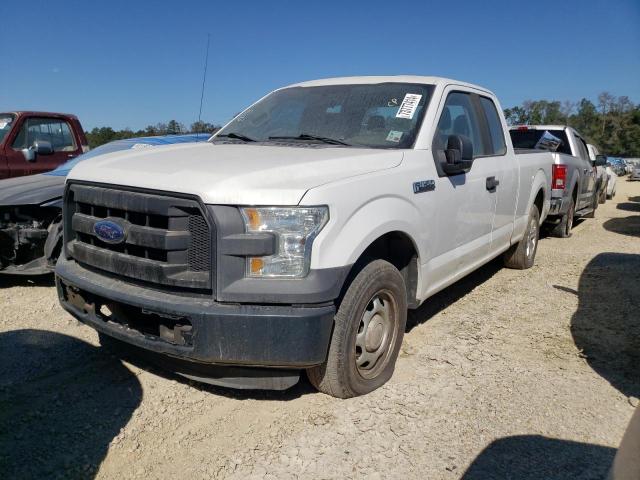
[[56, 131], [464, 203], [588, 173]]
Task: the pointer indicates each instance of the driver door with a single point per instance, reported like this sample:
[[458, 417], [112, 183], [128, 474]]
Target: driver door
[[57, 131], [464, 206]]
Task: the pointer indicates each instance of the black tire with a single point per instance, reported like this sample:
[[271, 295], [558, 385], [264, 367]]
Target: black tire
[[340, 375], [603, 194], [523, 254], [563, 229], [594, 206]]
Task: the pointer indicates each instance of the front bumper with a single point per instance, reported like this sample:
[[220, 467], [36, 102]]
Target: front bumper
[[193, 327]]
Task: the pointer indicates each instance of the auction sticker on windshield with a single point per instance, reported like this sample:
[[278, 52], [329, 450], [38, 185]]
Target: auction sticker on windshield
[[408, 106], [394, 136]]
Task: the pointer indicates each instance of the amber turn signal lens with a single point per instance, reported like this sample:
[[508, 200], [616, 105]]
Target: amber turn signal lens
[[256, 265], [254, 218]]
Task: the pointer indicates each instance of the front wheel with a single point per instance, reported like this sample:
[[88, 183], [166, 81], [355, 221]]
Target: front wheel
[[603, 194], [522, 255], [594, 207], [367, 335]]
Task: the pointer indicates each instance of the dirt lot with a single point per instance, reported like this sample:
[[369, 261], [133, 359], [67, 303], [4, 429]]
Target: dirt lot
[[508, 374]]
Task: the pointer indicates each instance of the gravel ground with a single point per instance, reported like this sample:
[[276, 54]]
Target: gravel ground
[[507, 374]]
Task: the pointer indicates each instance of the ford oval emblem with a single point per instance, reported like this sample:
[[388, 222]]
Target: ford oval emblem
[[109, 232]]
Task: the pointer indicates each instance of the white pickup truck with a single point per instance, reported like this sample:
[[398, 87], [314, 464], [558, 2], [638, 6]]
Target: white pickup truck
[[298, 236]]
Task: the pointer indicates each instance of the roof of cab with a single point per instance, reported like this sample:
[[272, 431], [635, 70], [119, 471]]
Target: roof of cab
[[41, 114], [387, 79]]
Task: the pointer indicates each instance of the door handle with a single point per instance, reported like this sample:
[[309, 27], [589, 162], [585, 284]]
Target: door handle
[[492, 183]]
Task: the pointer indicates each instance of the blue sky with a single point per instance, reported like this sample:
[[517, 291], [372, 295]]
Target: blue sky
[[134, 63]]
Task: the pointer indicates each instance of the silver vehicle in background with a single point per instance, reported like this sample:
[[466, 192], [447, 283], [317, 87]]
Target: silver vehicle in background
[[612, 182], [574, 189], [601, 173]]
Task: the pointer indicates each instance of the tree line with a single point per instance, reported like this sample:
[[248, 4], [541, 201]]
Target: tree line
[[101, 135], [613, 124]]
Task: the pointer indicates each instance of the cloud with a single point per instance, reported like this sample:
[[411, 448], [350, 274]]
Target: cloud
[[55, 70]]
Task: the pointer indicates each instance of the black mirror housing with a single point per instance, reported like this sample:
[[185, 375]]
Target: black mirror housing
[[600, 161], [42, 147], [458, 154]]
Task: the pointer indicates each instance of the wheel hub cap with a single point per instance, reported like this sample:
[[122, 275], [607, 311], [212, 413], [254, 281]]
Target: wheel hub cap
[[375, 335]]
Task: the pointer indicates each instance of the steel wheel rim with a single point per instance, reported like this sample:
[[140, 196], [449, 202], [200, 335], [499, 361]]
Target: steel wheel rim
[[532, 238], [376, 334]]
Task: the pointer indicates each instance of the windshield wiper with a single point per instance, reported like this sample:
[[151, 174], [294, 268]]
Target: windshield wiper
[[307, 136], [237, 136]]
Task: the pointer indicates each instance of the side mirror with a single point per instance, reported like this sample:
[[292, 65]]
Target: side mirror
[[29, 154], [459, 155], [43, 147], [600, 161]]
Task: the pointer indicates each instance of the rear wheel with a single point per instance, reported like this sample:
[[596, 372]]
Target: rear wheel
[[367, 335], [522, 255], [563, 229]]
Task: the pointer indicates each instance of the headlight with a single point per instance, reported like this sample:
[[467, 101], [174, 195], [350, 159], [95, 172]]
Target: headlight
[[294, 228]]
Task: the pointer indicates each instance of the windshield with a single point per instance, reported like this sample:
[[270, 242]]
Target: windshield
[[384, 115], [6, 120]]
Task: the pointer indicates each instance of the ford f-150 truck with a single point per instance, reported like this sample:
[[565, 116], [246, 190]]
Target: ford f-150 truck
[[36, 142], [298, 236], [574, 191], [31, 209]]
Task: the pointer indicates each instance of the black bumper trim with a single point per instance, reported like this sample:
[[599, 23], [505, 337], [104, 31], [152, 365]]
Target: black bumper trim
[[251, 335]]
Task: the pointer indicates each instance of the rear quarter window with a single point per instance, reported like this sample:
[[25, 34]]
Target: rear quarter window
[[496, 131]]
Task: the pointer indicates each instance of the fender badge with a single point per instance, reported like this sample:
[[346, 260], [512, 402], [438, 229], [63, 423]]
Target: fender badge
[[424, 186]]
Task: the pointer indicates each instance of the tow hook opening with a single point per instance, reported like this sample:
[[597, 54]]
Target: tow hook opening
[[161, 326]]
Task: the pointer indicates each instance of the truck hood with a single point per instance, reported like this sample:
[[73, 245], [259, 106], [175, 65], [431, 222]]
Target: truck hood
[[30, 190], [234, 174]]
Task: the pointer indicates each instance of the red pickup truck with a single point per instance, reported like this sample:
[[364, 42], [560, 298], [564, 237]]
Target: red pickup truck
[[36, 142]]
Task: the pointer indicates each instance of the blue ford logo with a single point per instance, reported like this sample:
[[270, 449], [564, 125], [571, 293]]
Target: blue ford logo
[[109, 232]]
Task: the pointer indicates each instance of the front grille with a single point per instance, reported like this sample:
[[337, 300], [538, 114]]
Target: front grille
[[167, 239]]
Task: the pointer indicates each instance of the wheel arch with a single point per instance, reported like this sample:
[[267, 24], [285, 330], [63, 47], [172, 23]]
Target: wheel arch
[[398, 248]]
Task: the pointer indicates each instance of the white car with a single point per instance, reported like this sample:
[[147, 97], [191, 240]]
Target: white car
[[612, 182], [298, 236]]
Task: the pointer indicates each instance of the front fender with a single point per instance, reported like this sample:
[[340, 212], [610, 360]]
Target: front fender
[[345, 238]]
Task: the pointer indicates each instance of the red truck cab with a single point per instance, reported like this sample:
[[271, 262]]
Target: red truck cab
[[36, 142]]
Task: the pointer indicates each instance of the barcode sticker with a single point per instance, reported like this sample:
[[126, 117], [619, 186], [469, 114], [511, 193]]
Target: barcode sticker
[[409, 105]]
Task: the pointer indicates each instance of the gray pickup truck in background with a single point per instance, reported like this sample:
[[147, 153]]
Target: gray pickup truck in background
[[574, 191]]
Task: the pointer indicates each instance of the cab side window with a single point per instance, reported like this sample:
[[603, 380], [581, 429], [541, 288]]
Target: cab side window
[[582, 148], [459, 118], [53, 130], [498, 145]]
